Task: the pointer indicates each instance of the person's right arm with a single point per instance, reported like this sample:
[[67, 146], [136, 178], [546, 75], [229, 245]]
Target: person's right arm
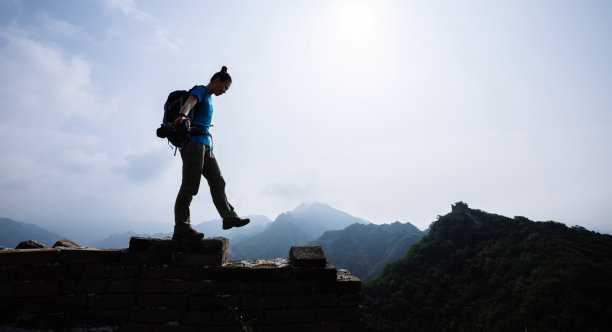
[[187, 106]]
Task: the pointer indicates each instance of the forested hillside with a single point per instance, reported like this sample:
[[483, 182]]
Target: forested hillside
[[366, 249], [476, 271]]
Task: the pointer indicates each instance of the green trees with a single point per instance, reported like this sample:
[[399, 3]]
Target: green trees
[[502, 275]]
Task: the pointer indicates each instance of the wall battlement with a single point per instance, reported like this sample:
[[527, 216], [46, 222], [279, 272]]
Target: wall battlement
[[160, 284]]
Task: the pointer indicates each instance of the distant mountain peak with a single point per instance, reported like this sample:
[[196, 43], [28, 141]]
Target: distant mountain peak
[[312, 206]]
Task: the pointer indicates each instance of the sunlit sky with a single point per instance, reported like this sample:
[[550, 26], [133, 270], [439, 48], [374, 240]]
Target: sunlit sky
[[388, 110]]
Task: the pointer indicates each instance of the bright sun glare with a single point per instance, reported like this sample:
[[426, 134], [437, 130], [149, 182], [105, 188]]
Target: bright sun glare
[[354, 40]]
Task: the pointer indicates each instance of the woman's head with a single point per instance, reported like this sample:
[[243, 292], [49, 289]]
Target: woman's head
[[220, 82], [222, 75]]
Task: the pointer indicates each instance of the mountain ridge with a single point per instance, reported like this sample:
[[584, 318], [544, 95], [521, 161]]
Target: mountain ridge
[[364, 249], [504, 274], [14, 232]]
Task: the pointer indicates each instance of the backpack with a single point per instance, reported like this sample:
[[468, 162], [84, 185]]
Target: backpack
[[172, 107]]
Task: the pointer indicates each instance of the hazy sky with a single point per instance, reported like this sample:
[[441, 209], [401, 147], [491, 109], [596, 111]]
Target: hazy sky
[[388, 110]]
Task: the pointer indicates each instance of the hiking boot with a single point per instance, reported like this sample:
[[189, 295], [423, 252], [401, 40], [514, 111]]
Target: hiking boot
[[186, 234], [234, 222]]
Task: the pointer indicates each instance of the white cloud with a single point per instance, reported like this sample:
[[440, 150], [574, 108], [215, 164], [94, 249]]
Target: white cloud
[[43, 84], [51, 114], [80, 160], [158, 37], [62, 28], [129, 8], [165, 41]]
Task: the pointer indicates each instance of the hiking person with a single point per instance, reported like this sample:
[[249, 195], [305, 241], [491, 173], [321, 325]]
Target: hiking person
[[198, 160]]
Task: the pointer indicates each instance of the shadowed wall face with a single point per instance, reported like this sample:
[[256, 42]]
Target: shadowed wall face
[[160, 284]]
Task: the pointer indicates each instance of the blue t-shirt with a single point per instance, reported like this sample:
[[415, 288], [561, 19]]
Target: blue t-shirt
[[204, 114]]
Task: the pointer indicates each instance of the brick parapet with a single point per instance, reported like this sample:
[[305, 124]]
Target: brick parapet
[[72, 288]]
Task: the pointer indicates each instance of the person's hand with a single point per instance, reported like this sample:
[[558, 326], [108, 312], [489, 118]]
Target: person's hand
[[180, 118]]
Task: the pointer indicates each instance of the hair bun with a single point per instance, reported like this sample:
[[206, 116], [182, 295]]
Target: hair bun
[[224, 69]]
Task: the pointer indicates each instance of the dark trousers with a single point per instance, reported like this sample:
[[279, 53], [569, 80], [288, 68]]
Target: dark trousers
[[197, 162]]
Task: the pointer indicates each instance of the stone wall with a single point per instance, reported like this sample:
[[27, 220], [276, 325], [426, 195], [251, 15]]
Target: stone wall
[[163, 285]]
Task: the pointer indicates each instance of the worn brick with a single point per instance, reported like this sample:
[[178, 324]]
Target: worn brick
[[135, 286], [223, 317], [8, 273], [225, 301], [277, 302], [123, 286], [165, 272], [88, 256], [37, 288], [204, 287], [326, 287], [349, 300], [31, 244], [237, 287], [39, 272], [149, 286], [291, 287], [81, 318], [173, 327], [108, 317], [163, 300], [198, 259], [50, 304], [155, 315], [266, 274], [302, 301], [253, 302], [348, 286], [339, 314], [137, 258], [353, 326], [193, 317], [215, 329], [252, 316], [46, 321], [328, 273], [307, 256], [65, 243], [89, 286], [318, 327], [7, 291], [327, 300], [206, 245], [201, 302], [290, 316], [27, 256], [6, 318], [215, 273], [270, 328], [71, 271], [111, 301], [135, 327], [99, 271]]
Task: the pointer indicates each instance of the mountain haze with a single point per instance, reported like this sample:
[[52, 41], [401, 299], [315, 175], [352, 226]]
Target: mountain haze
[[12, 232], [294, 228], [209, 228], [316, 218]]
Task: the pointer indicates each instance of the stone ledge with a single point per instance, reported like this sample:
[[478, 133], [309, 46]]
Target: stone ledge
[[307, 256], [204, 246], [28, 256]]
